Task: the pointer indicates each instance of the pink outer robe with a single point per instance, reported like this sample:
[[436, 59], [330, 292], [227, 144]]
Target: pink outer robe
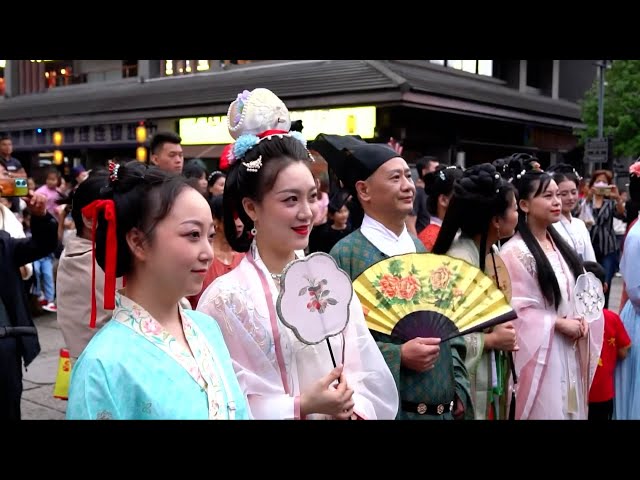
[[273, 367], [554, 372]]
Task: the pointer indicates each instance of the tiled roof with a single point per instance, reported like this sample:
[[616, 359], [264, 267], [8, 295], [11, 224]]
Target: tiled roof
[[289, 80]]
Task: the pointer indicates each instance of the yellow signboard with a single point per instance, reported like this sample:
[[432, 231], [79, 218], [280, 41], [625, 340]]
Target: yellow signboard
[[204, 131], [338, 121]]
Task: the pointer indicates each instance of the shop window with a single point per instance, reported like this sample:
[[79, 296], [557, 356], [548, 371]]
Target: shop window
[[116, 133], [99, 133]]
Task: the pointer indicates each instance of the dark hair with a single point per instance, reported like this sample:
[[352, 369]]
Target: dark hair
[[478, 196], [193, 170], [87, 192], [533, 184], [143, 196], [213, 178], [338, 200], [502, 167], [53, 171], [277, 153], [597, 270], [512, 166], [217, 207], [597, 173], [423, 162], [440, 182], [633, 204], [296, 126], [160, 138], [563, 172]]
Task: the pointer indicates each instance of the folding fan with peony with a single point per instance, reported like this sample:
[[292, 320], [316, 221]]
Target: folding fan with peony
[[429, 295]]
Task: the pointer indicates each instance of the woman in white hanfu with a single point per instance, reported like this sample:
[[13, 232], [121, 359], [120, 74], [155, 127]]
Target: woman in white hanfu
[[559, 351], [572, 229], [271, 189]]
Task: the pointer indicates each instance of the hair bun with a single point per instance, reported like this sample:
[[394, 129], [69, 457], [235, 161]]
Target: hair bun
[[479, 181], [257, 111]]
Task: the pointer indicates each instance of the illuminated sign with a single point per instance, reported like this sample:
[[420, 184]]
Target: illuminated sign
[[205, 131], [338, 121]]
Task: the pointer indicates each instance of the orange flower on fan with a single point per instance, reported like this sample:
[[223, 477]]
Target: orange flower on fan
[[389, 285], [440, 278], [408, 287], [457, 292]]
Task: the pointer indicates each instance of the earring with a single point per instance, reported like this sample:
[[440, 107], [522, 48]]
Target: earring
[[499, 237], [253, 232]]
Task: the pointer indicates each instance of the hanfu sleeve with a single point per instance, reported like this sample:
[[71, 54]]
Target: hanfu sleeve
[[251, 348], [535, 325], [90, 397], [475, 347], [375, 393], [461, 375], [629, 265]]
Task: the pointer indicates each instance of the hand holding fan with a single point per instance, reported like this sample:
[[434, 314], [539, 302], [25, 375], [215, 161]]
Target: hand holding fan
[[497, 270], [429, 295], [588, 303], [314, 299]]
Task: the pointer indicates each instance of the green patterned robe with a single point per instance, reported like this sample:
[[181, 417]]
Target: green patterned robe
[[354, 254], [479, 362]]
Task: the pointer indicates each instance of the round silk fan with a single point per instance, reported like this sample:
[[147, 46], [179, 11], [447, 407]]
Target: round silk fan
[[588, 297], [314, 298], [429, 295]]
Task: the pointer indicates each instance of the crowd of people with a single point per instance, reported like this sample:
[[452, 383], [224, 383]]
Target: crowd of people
[[165, 280]]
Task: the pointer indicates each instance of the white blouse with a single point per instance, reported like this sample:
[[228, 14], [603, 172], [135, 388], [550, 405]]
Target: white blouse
[[575, 233]]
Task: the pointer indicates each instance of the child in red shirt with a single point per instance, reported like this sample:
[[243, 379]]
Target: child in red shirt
[[616, 344]]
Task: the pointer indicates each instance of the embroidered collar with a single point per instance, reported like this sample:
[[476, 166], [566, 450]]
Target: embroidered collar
[[201, 363]]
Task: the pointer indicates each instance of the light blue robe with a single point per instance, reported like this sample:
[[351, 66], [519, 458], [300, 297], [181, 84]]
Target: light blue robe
[[128, 375], [627, 379]]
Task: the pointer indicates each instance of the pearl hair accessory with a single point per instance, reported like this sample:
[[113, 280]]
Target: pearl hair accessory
[[257, 111], [255, 116]]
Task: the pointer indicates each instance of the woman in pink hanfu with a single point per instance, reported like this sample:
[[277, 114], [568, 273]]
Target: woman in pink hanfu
[[271, 189], [559, 351]]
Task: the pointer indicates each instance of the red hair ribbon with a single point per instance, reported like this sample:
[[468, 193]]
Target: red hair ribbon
[[91, 211], [267, 133], [224, 157]]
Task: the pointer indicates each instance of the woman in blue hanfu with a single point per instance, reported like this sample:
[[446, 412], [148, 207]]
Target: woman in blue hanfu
[[153, 359], [627, 398]]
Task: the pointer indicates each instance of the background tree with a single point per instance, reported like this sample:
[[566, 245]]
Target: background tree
[[621, 108]]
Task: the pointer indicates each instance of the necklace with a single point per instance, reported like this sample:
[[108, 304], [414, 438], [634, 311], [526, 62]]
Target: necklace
[[276, 276]]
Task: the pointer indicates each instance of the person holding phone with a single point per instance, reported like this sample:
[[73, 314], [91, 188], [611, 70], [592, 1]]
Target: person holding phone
[[605, 204], [18, 335]]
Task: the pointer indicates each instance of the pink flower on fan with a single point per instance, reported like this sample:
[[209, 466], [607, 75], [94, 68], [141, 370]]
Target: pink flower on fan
[[389, 285], [635, 169], [408, 287]]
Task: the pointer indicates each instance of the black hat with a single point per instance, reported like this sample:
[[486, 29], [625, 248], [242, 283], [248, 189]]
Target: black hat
[[351, 158], [338, 200], [365, 159], [333, 149]]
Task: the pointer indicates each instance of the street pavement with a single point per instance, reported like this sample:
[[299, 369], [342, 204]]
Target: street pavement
[[38, 402]]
